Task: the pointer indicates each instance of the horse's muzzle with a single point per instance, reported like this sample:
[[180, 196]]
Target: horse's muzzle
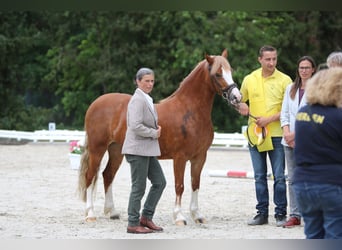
[[232, 95]]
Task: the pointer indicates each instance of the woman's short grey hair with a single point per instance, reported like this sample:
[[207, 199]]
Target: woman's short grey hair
[[143, 71], [335, 59]]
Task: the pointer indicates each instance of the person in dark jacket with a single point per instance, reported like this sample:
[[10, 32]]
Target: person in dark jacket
[[317, 178]]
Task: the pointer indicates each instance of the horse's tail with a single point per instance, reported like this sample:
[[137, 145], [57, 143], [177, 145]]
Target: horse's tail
[[84, 165]]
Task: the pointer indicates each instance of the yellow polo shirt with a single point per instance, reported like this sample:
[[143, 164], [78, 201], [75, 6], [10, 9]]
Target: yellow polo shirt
[[265, 96]]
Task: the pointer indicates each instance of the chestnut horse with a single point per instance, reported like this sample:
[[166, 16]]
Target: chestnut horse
[[187, 134]]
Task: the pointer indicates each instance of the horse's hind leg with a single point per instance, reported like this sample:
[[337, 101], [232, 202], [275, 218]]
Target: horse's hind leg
[[179, 168], [114, 161], [90, 177]]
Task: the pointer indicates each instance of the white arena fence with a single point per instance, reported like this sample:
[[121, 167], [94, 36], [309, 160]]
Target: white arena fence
[[43, 135], [230, 140], [225, 140]]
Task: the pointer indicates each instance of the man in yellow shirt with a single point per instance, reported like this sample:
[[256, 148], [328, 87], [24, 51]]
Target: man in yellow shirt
[[263, 90]]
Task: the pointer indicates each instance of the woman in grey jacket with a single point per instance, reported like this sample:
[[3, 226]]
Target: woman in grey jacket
[[141, 148], [294, 99]]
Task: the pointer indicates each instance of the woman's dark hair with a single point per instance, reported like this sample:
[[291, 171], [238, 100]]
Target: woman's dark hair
[[298, 81]]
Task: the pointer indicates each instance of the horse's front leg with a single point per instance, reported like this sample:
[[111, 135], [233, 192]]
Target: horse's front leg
[[196, 169], [109, 208], [194, 209], [179, 168]]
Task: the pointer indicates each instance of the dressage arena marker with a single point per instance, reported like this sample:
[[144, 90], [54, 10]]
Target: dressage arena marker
[[236, 174]]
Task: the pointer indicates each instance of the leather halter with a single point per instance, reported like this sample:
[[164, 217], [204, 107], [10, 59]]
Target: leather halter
[[226, 92]]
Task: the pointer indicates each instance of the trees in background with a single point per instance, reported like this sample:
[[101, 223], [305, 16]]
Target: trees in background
[[54, 64]]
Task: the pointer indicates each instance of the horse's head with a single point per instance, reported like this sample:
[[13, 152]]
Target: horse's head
[[221, 75]]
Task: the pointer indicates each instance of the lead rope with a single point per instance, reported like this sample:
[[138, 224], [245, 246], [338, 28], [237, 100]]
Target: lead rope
[[261, 137]]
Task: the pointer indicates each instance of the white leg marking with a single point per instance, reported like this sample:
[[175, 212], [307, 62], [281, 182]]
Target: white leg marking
[[109, 207], [90, 214], [194, 210], [178, 217]]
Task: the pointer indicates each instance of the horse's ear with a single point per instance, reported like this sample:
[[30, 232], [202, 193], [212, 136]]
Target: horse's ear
[[210, 59], [225, 53]]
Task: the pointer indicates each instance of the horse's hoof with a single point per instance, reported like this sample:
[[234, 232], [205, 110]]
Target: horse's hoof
[[180, 223], [200, 221], [115, 217], [90, 219]]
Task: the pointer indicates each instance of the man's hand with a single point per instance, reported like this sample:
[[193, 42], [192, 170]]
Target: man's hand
[[243, 109]]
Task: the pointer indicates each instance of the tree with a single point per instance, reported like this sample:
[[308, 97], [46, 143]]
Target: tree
[[54, 64]]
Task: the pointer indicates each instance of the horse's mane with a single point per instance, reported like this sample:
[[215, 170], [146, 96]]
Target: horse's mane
[[219, 61], [199, 66]]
